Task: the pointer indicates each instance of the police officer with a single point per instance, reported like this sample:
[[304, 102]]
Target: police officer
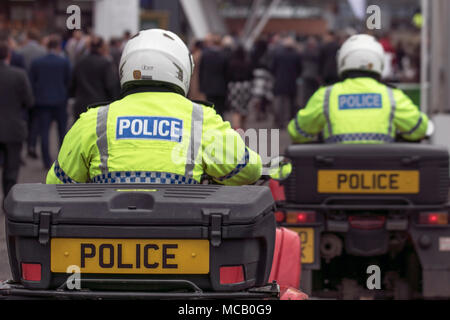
[[359, 109], [154, 134]]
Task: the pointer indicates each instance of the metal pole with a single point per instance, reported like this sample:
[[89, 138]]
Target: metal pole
[[261, 24], [196, 17], [250, 22], [424, 76]]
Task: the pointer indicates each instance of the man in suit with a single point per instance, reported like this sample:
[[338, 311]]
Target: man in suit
[[16, 94], [94, 78], [50, 77], [212, 70], [30, 51], [286, 68]]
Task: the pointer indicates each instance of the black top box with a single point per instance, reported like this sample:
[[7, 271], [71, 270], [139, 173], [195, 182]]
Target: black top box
[[137, 231], [416, 173]]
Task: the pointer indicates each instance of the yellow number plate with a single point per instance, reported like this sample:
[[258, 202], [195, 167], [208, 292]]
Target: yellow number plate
[[368, 181], [307, 243], [131, 256]]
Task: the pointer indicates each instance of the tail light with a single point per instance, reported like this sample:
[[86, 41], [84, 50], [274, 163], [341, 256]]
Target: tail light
[[31, 271], [280, 216], [433, 218], [232, 274], [301, 217], [367, 222]]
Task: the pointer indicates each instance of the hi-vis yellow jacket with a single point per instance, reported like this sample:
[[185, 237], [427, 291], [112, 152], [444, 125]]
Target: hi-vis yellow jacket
[[153, 137], [358, 110]]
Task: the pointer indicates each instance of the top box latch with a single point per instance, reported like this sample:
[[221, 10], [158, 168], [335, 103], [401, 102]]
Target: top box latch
[[216, 218], [44, 216]]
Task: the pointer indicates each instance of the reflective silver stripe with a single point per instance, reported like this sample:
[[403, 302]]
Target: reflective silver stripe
[[102, 138], [196, 139], [393, 107], [326, 108]]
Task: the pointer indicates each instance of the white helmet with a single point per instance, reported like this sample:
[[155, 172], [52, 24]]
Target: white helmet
[[156, 55], [361, 52]]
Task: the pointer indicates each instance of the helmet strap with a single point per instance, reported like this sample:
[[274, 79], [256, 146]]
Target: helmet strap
[[350, 74], [150, 86]]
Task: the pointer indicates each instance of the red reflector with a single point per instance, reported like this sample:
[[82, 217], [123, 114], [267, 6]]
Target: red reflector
[[279, 216], [233, 274], [366, 222], [31, 271], [301, 217], [433, 218]]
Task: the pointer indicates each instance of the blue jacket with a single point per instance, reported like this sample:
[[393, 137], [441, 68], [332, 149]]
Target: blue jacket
[[50, 78]]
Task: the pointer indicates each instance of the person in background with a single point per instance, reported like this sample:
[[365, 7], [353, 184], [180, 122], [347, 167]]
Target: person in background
[[239, 76], [94, 78], [125, 38], [76, 46], [228, 46], [31, 50], [327, 60], [16, 95], [286, 68], [16, 59], [212, 71], [50, 78], [310, 74], [194, 89], [115, 51], [262, 84]]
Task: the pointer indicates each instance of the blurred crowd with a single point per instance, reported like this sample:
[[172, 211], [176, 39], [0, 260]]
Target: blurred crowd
[[56, 77], [278, 74], [78, 65]]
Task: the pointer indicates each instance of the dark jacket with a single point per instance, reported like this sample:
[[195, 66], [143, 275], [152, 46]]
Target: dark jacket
[[50, 78], [94, 80], [17, 60], [286, 68], [328, 62], [239, 70], [212, 72], [16, 95]]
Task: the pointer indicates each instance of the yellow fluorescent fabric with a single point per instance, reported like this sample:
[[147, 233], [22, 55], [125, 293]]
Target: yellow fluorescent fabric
[[157, 132], [359, 110]]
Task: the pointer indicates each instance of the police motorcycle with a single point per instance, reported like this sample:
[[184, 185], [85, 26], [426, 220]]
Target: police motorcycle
[[146, 241], [373, 219]]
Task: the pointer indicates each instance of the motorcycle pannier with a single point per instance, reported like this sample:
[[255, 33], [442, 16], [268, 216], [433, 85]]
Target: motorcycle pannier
[[407, 172], [158, 234]]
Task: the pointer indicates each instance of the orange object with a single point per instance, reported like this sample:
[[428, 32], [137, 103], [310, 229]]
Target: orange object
[[286, 265], [277, 190], [292, 294]]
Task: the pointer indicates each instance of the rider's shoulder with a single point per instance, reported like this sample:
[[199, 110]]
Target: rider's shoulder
[[389, 85], [204, 103], [98, 104], [91, 112]]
